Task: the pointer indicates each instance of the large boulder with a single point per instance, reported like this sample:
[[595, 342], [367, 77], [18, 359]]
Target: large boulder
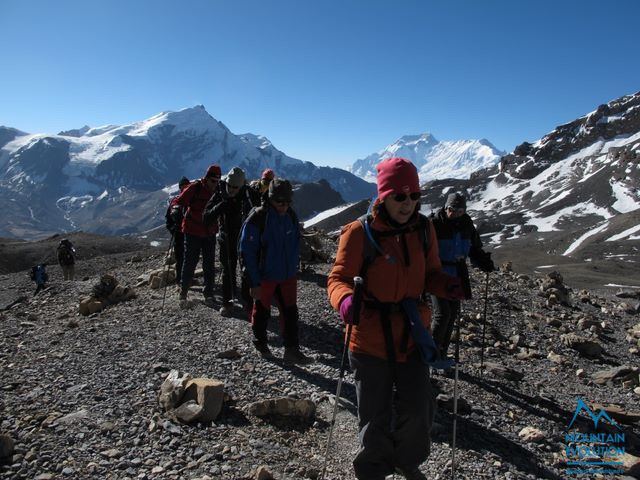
[[172, 389], [206, 393], [584, 346], [283, 406]]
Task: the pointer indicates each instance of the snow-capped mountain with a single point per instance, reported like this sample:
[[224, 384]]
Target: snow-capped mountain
[[570, 201], [153, 153], [56, 181], [574, 193], [434, 159]]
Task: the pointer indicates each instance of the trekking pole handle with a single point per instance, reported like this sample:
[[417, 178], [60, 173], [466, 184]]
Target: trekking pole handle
[[358, 283]]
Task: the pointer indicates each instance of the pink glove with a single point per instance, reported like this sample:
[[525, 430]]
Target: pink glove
[[346, 310], [454, 289]]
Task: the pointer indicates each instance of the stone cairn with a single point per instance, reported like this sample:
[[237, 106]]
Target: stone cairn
[[105, 292]]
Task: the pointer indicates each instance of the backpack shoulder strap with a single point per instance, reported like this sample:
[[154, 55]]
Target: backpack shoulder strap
[[371, 248], [258, 217], [425, 233]]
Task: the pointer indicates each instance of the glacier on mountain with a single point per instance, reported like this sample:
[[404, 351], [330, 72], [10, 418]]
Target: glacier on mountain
[[434, 159]]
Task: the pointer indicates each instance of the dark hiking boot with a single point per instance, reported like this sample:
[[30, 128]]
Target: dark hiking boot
[[227, 309], [294, 356], [411, 473], [183, 298], [263, 349]]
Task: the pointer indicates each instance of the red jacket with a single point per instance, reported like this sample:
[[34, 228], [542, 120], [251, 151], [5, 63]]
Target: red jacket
[[194, 198], [387, 281]]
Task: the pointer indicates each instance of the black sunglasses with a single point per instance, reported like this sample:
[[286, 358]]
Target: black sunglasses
[[401, 197], [459, 211]]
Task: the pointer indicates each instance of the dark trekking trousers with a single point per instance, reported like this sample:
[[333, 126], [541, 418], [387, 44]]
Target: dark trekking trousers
[[285, 294], [229, 259], [178, 251], [245, 295], [394, 425], [193, 245], [68, 271], [443, 320]]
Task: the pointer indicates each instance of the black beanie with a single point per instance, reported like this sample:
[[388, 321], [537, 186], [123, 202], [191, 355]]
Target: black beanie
[[280, 190], [456, 200], [183, 181]]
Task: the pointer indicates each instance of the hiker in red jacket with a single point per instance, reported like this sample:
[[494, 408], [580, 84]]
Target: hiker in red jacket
[[198, 237], [174, 217]]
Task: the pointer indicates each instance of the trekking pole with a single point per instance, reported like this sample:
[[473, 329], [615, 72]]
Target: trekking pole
[[357, 299], [484, 324], [166, 272], [232, 278], [462, 273], [455, 397]]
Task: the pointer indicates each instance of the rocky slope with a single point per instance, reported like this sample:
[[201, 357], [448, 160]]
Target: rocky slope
[[80, 394]]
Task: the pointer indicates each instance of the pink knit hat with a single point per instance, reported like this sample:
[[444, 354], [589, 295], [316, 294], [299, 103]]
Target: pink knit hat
[[397, 175]]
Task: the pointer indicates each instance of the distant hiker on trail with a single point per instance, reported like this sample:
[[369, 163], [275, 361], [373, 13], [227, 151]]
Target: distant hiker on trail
[[197, 236], [395, 251], [270, 250], [260, 188], [174, 217], [229, 206], [40, 276], [457, 238], [66, 258]]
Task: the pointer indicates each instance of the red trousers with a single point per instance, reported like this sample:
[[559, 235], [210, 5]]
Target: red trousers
[[285, 294]]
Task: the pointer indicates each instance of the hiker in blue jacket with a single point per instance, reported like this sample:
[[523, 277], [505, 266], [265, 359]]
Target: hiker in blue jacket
[[270, 251], [457, 238], [40, 276]]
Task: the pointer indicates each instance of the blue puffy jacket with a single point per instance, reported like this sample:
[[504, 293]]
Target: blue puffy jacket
[[269, 245], [456, 238]]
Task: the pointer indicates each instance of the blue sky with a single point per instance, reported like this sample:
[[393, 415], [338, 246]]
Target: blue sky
[[327, 81]]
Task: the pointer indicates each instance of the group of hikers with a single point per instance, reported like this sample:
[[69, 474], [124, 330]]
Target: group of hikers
[[255, 226], [393, 267], [409, 264], [66, 255]]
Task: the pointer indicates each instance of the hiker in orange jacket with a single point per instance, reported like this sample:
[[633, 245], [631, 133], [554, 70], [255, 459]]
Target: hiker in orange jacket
[[394, 428]]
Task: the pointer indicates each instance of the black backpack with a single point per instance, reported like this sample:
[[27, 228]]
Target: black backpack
[[66, 253]]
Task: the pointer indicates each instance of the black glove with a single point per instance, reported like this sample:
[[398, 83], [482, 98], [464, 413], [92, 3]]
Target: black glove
[[486, 264]]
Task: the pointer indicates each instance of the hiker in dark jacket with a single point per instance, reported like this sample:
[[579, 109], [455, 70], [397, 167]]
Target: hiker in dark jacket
[[457, 238], [229, 206], [66, 258], [270, 250], [174, 216], [260, 188], [197, 236]]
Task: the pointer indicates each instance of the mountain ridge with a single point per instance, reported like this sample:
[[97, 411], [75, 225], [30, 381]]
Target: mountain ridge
[[61, 182]]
